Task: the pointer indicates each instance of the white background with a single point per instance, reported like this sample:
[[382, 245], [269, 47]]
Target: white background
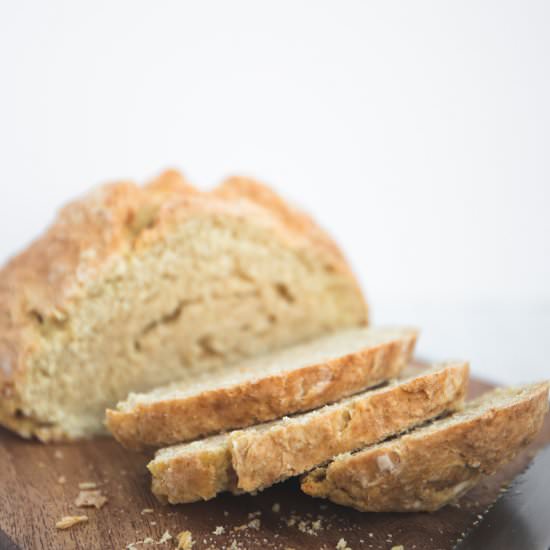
[[418, 133]]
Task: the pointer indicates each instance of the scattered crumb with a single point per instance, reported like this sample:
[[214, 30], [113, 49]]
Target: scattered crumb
[[316, 525], [219, 530], [90, 498], [342, 545], [147, 511], [148, 540], [87, 485], [398, 547], [253, 515], [153, 523], [58, 454], [61, 479], [67, 522], [254, 524], [276, 508], [185, 540], [166, 536], [225, 513]]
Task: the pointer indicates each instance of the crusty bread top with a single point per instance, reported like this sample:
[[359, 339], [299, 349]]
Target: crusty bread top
[[89, 234], [435, 464]]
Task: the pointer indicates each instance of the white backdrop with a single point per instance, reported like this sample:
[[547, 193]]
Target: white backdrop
[[418, 133]]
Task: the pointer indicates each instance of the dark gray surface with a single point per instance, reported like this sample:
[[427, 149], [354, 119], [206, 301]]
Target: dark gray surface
[[6, 543]]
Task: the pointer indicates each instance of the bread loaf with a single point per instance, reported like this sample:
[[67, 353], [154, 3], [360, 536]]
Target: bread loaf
[[132, 288]]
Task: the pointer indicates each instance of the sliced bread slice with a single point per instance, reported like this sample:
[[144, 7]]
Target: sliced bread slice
[[435, 464], [135, 287], [298, 378], [254, 458]]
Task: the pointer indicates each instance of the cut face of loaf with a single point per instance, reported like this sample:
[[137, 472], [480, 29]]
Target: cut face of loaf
[[435, 464], [133, 288], [298, 378], [259, 456]]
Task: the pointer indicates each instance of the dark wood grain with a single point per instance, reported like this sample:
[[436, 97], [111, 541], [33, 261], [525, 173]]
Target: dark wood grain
[[32, 500]]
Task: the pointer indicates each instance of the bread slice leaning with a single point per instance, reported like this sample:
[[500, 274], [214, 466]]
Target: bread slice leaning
[[254, 458], [435, 464], [298, 378]]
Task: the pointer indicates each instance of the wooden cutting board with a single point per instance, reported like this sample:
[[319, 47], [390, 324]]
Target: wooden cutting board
[[32, 500]]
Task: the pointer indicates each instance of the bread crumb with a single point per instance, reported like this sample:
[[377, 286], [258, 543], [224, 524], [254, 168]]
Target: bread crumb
[[150, 540], [253, 515], [147, 511], [316, 525], [342, 545], [166, 536], [185, 540], [90, 498], [276, 508], [87, 485], [219, 530], [254, 524], [58, 454], [67, 522], [398, 547], [61, 480]]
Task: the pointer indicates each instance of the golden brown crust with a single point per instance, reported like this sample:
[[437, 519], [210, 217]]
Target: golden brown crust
[[253, 459], [38, 286], [170, 421], [426, 469], [238, 188], [262, 459]]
